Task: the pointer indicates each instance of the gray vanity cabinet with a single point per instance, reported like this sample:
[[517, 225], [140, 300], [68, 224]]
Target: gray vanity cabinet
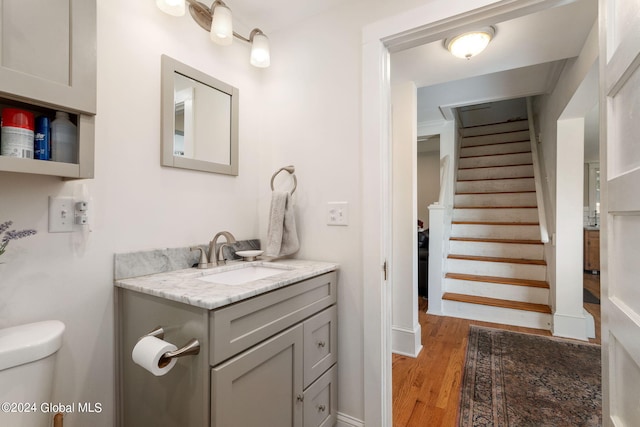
[[269, 360], [48, 64], [289, 380]]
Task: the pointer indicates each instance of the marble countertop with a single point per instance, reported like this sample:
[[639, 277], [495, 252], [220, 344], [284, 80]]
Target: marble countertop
[[185, 286]]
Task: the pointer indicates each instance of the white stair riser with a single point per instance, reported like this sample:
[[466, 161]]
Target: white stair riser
[[497, 160], [505, 316], [497, 215], [495, 290], [496, 185], [486, 231], [496, 128], [497, 269], [473, 141], [506, 199], [499, 250], [504, 148], [496, 172]]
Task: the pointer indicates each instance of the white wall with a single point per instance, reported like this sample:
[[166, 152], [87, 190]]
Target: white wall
[[313, 120], [405, 330], [428, 183], [551, 107], [136, 203]]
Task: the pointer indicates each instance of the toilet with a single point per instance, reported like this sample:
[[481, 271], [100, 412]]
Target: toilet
[[27, 362]]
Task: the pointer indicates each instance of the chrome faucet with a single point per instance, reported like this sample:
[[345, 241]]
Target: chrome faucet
[[219, 258]]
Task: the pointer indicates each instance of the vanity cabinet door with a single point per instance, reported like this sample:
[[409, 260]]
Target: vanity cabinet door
[[320, 344], [262, 386], [49, 53]]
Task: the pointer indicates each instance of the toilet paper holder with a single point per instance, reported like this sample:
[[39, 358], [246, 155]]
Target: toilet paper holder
[[191, 348]]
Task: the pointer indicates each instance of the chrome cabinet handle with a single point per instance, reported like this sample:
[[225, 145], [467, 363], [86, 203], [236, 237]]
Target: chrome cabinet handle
[[321, 408], [321, 343]]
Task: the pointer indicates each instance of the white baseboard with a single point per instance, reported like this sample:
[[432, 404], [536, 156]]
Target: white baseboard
[[345, 420], [570, 326], [406, 342], [590, 324]]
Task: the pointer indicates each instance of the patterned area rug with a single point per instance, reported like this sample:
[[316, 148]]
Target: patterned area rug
[[513, 379]]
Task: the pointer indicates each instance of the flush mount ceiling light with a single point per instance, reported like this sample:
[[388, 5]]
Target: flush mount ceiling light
[[218, 21], [470, 43]]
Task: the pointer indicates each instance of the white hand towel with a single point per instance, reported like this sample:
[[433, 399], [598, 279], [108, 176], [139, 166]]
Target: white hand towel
[[282, 238]]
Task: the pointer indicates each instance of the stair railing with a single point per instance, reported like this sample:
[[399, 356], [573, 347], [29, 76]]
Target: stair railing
[[537, 173]]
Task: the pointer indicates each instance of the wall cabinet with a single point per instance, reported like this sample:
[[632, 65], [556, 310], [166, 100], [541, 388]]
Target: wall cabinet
[[270, 360], [592, 250], [48, 64]]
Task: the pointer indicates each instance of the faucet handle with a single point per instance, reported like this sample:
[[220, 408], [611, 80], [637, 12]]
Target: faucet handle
[[202, 263]]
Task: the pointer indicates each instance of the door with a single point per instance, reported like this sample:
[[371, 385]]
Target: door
[[262, 386], [620, 239], [60, 34]]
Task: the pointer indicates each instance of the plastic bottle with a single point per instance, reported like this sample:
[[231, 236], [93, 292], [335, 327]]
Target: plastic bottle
[[17, 133], [64, 139], [42, 140]]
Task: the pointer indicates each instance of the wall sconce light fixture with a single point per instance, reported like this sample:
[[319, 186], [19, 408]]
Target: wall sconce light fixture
[[470, 43], [218, 21]]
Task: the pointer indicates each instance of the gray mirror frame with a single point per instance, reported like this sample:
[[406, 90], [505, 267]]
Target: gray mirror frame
[[169, 67]]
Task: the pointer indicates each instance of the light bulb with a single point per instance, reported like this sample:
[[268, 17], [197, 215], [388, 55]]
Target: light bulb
[[260, 56], [469, 44], [221, 25], [171, 7]]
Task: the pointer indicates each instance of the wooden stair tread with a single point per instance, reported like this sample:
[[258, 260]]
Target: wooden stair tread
[[493, 302], [498, 259], [495, 223], [515, 241], [493, 154], [497, 166], [498, 280]]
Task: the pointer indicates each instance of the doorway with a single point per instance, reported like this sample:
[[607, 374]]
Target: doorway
[[379, 40]]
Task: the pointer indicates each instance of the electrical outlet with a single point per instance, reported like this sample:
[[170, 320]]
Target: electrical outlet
[[61, 214], [337, 213]]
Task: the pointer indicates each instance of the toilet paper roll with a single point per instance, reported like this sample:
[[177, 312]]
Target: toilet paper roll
[[147, 353]]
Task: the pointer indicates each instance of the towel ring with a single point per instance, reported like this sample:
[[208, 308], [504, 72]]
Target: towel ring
[[291, 169]]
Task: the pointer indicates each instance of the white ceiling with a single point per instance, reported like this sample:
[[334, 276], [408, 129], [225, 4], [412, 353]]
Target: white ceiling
[[531, 39], [524, 59], [272, 15]]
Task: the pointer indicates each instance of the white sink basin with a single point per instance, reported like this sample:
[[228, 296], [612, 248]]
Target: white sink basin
[[242, 275]]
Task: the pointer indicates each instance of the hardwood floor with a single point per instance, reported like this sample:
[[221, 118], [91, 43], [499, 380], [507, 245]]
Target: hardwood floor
[[426, 389]]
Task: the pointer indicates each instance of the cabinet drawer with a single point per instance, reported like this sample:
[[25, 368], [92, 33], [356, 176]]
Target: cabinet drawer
[[320, 344], [321, 400], [237, 327]]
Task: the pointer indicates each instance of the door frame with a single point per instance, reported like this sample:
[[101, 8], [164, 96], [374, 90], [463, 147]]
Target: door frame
[[379, 39]]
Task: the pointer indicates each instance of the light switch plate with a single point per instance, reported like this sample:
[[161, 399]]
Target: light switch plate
[[61, 214], [337, 213]]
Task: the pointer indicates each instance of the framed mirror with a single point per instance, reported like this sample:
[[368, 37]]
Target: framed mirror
[[199, 120]]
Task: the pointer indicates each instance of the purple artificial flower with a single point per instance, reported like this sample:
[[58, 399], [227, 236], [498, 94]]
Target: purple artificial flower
[[12, 235], [5, 226]]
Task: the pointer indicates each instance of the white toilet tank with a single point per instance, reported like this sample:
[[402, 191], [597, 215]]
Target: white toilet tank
[[27, 362]]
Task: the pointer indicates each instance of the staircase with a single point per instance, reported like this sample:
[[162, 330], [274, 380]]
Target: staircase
[[495, 269]]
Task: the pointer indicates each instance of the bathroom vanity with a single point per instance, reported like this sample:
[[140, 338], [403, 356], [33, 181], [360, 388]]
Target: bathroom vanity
[[268, 346]]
